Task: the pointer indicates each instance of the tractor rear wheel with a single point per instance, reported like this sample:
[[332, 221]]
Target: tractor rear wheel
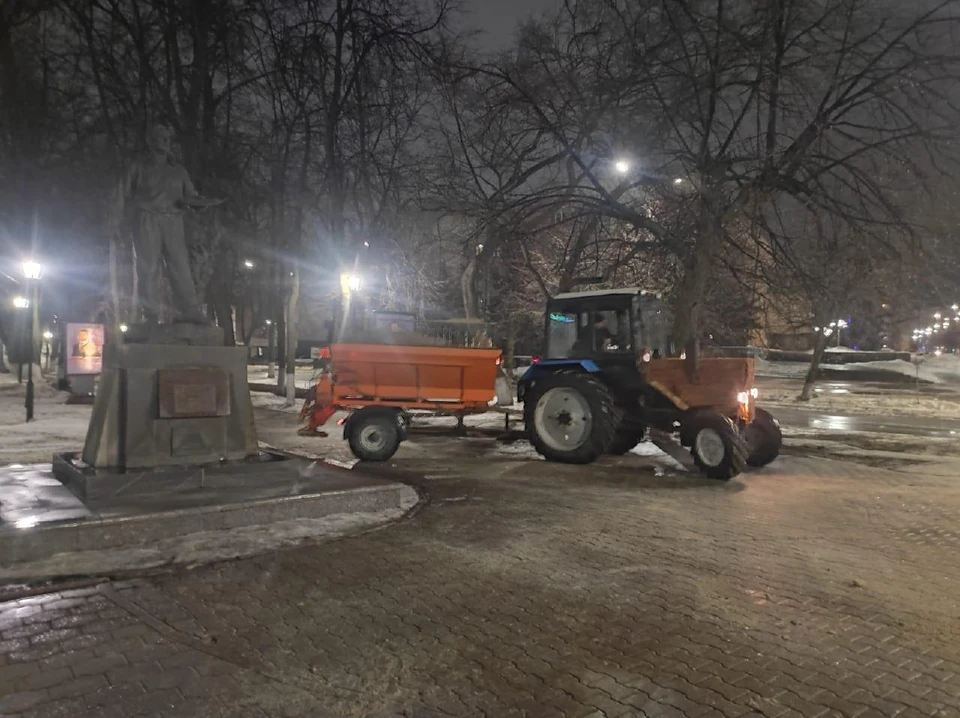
[[718, 448], [764, 439], [571, 418]]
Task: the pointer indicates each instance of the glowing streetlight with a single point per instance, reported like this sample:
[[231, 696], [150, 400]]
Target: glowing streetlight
[[353, 282], [124, 328], [269, 322], [31, 269], [21, 302], [678, 180], [48, 335], [621, 166], [937, 315], [248, 264]]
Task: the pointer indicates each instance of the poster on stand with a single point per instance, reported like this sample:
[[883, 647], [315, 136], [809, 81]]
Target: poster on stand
[[84, 349]]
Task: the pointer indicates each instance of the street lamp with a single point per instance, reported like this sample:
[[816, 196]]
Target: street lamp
[[124, 328], [248, 264], [31, 274]]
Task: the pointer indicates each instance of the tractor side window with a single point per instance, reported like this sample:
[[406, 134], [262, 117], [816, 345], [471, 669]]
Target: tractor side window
[[562, 333]]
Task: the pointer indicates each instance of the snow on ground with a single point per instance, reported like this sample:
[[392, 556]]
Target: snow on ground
[[899, 404], [207, 546], [306, 376], [781, 369], [263, 400], [894, 366], [933, 370], [945, 367], [56, 427]]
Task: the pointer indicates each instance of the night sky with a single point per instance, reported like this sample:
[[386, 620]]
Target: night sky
[[498, 19]]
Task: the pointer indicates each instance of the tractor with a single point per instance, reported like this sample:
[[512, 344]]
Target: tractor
[[610, 373]]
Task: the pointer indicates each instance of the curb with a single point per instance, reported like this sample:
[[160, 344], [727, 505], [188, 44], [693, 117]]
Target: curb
[[43, 542]]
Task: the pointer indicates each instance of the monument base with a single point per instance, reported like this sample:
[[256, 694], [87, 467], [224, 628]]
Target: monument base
[[171, 404], [102, 487]]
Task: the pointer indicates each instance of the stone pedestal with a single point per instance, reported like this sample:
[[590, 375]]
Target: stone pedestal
[[172, 395]]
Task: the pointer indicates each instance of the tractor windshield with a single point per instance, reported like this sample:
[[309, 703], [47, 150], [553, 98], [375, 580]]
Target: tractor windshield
[[562, 332], [587, 333]]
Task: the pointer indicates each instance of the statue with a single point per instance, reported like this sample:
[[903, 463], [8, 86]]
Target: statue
[[152, 198]]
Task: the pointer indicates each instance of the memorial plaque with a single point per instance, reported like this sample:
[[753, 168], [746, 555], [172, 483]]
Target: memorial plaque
[[190, 442], [193, 393]]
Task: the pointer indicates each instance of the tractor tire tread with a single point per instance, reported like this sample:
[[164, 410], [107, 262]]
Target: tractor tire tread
[[606, 417]]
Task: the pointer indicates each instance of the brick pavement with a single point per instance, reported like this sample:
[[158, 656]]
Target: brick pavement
[[526, 588]]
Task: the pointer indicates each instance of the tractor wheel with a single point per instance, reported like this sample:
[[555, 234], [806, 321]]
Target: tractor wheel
[[763, 438], [374, 436], [718, 448], [571, 418]]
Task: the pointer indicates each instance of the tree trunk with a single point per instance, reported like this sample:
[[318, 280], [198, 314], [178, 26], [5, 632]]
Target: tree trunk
[[272, 350], [115, 288], [811, 379], [470, 309], [689, 301], [281, 348], [292, 302]]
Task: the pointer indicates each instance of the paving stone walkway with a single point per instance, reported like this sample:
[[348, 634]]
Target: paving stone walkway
[[813, 588]]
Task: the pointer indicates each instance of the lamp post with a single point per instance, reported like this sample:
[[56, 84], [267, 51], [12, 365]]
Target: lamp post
[[31, 274]]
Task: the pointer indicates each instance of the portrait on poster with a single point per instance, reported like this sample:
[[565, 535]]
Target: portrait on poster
[[84, 349]]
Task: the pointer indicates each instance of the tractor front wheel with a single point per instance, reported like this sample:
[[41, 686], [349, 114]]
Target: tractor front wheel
[[764, 439], [718, 448], [571, 418]]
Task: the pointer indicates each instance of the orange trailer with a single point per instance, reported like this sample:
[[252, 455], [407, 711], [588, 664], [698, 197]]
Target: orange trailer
[[380, 383]]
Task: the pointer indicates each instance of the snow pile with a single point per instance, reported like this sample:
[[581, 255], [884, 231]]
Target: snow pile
[[945, 367]]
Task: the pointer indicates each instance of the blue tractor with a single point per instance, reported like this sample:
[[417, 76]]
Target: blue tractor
[[610, 372]]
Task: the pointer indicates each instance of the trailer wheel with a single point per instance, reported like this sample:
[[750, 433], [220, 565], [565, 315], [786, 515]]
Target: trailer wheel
[[374, 435], [571, 418], [718, 448], [764, 439]]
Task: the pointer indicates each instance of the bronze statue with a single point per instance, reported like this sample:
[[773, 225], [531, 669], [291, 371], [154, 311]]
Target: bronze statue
[[152, 198]]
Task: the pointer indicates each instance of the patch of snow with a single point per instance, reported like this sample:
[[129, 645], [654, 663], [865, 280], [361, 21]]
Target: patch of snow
[[306, 377], [56, 426], [781, 369], [263, 400], [207, 546]]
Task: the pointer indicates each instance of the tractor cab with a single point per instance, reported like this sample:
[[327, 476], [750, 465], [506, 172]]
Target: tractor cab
[[611, 327]]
